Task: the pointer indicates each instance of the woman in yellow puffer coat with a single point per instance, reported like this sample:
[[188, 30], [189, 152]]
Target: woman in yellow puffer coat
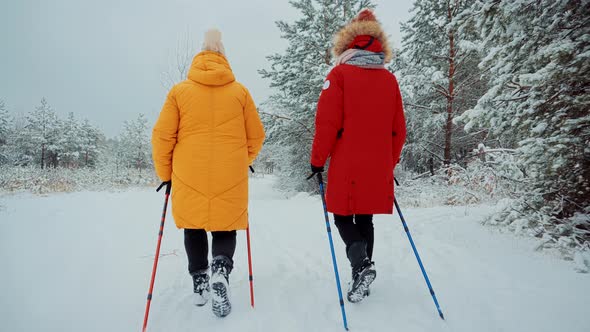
[[207, 135]]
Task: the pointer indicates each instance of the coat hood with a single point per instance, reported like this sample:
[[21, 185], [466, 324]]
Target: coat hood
[[211, 68], [365, 24]]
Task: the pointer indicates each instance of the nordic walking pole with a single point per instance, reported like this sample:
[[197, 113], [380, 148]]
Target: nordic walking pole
[[321, 183], [168, 185], [399, 211], [250, 276]]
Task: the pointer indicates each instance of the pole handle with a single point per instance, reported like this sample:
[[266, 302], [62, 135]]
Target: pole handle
[[318, 174], [168, 185]]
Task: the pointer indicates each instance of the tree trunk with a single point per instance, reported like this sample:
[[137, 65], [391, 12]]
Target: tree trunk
[[450, 96], [42, 156], [138, 164], [54, 160]]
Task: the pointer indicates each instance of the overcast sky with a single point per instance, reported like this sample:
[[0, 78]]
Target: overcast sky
[[103, 60]]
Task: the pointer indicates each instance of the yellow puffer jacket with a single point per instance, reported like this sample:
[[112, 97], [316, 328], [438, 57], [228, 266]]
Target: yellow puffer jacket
[[207, 135]]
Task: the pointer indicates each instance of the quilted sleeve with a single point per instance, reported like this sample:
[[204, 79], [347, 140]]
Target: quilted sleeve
[[328, 121], [164, 137], [254, 129]]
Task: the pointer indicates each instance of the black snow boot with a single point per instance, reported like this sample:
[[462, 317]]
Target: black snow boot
[[363, 272], [220, 270], [201, 288]]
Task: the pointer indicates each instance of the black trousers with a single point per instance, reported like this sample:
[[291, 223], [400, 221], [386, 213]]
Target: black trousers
[[197, 247], [356, 228]]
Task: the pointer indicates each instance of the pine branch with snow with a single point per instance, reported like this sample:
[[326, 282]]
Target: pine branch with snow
[[538, 58], [439, 79]]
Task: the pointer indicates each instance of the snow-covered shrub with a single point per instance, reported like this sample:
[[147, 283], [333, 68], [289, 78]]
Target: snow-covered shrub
[[488, 175], [528, 215], [37, 180]]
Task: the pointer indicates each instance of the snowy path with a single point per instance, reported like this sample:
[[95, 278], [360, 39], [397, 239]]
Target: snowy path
[[81, 262]]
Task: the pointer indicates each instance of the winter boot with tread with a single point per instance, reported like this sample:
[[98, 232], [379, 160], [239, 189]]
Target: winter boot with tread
[[363, 272], [220, 300], [201, 288]]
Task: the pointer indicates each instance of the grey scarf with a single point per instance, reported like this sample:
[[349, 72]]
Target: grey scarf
[[362, 58]]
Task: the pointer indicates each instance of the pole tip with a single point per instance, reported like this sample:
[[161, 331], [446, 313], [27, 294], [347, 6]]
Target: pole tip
[[441, 315]]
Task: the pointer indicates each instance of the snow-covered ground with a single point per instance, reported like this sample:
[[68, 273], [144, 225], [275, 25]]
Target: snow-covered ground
[[82, 262]]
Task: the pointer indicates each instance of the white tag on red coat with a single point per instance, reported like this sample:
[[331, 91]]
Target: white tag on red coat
[[326, 85]]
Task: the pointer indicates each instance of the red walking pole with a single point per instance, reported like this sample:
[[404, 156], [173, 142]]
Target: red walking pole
[[250, 268], [160, 233], [250, 260]]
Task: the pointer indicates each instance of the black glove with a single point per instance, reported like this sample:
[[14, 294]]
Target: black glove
[[168, 185], [317, 169]]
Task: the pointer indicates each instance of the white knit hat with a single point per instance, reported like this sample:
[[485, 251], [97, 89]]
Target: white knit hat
[[213, 42]]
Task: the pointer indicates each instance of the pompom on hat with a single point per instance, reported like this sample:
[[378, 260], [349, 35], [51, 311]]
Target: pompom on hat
[[363, 32], [212, 41], [365, 15]]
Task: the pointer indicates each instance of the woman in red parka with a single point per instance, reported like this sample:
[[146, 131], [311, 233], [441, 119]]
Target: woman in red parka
[[360, 125]]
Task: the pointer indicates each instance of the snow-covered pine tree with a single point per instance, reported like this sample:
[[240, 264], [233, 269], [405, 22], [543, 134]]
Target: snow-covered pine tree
[[5, 131], [419, 121], [69, 142], [538, 55], [438, 73], [116, 149], [297, 76], [15, 148], [91, 140], [135, 143], [39, 139], [4, 123]]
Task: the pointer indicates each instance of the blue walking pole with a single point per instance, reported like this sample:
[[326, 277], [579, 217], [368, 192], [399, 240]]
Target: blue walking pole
[[399, 211], [321, 183]]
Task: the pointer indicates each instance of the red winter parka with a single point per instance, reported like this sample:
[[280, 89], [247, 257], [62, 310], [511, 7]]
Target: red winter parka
[[360, 124]]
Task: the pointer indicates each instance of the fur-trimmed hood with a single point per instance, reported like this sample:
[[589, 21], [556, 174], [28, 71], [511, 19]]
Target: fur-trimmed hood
[[364, 24]]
